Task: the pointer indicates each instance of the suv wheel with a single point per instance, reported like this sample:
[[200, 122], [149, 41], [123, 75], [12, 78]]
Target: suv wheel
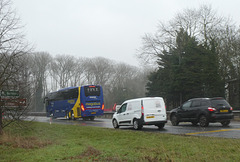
[[225, 123], [203, 121], [136, 125], [174, 120], [194, 123], [115, 124]]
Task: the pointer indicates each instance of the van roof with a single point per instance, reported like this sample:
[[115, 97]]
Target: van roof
[[144, 98]]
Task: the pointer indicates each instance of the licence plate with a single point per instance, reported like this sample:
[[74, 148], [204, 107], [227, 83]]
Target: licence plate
[[150, 117], [223, 110], [93, 112]]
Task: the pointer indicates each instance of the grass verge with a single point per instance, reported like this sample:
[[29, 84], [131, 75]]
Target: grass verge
[[44, 142]]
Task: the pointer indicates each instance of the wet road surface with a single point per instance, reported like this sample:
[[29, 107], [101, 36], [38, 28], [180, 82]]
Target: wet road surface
[[213, 130]]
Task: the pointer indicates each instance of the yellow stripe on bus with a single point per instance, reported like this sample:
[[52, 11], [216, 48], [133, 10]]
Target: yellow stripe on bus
[[77, 105]]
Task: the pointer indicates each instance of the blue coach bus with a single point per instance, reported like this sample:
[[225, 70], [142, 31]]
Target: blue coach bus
[[75, 102]]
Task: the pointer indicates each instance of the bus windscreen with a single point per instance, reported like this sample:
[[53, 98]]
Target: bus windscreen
[[92, 91]]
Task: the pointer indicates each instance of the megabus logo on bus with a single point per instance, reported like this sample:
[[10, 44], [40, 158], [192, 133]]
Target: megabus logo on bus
[[93, 104], [71, 101]]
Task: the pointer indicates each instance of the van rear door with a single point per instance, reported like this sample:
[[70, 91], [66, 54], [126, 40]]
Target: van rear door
[[154, 109]]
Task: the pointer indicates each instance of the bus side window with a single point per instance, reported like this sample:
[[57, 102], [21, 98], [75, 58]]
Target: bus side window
[[47, 102], [70, 94], [74, 93]]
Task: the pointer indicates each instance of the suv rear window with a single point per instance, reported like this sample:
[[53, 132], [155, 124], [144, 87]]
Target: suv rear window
[[217, 103]]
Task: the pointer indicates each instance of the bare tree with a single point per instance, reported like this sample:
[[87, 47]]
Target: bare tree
[[202, 23], [126, 82], [101, 68], [12, 47], [89, 77], [119, 81], [62, 68], [40, 63], [78, 73], [16, 104]]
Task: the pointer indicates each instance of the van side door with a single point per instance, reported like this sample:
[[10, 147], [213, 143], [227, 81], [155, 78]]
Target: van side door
[[121, 113], [133, 110]]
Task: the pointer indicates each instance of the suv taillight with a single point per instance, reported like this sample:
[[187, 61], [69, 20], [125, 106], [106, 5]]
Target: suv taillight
[[231, 108], [211, 109]]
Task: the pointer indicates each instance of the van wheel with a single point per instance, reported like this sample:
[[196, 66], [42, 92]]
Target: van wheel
[[174, 120], [137, 125], [225, 123], [115, 124], [160, 126], [203, 121]]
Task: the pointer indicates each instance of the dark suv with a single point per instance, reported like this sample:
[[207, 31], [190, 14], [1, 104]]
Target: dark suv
[[203, 111]]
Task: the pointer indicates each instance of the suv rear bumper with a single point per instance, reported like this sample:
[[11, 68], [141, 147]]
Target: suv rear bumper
[[221, 117]]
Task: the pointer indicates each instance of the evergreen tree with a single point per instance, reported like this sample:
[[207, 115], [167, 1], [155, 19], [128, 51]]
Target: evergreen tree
[[189, 70]]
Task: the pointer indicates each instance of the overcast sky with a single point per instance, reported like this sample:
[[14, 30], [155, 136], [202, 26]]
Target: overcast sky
[[106, 28]]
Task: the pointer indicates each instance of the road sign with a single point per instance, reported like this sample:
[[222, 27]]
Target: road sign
[[9, 93], [13, 102]]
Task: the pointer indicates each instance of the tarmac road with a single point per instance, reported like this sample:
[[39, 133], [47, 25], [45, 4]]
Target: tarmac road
[[213, 130]]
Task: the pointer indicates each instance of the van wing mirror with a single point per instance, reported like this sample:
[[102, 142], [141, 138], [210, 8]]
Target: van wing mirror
[[117, 108], [118, 111]]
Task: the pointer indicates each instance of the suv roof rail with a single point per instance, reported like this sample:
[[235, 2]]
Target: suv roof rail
[[207, 98], [217, 98], [203, 98]]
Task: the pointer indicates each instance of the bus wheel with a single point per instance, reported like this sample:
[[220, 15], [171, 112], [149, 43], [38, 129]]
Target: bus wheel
[[72, 116], [67, 116], [92, 118]]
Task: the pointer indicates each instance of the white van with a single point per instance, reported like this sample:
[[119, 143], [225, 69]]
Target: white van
[[141, 111]]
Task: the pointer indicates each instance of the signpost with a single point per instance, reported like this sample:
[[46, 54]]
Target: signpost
[[10, 93], [10, 99], [13, 102]]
